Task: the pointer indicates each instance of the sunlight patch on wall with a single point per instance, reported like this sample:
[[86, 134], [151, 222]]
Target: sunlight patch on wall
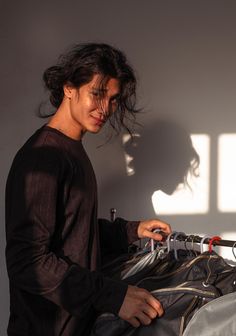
[[227, 173], [185, 201]]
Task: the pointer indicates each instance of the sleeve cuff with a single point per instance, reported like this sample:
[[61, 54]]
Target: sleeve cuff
[[132, 231], [111, 297]]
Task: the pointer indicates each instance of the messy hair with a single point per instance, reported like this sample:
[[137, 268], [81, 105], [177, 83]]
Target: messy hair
[[78, 66]]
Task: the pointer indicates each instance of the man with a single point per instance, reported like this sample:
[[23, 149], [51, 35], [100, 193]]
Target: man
[[53, 245]]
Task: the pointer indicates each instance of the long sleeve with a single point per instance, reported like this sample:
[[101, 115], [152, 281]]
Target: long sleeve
[[47, 251], [116, 236]]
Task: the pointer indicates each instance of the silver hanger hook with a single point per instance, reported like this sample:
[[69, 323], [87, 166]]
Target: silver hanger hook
[[202, 242], [152, 240], [174, 241], [192, 237], [233, 247], [168, 241], [185, 243]]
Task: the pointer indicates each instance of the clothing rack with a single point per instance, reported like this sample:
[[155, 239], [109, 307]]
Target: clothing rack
[[204, 240]]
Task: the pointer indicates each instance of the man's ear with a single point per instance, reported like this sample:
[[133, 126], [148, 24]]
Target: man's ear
[[68, 90]]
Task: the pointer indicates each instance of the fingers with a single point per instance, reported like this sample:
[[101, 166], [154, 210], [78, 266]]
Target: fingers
[[150, 312], [134, 322], [147, 314], [143, 318], [155, 307], [146, 227], [139, 307], [156, 224], [153, 235], [152, 306]]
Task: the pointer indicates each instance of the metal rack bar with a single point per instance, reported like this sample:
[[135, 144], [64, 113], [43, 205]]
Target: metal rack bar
[[198, 239]]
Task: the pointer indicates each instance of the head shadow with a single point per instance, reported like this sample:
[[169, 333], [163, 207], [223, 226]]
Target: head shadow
[[162, 157], [159, 157]]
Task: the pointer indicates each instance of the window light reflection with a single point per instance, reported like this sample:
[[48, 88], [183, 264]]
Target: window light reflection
[[226, 173], [183, 200]]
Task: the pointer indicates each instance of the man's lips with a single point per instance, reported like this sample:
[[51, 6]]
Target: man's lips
[[98, 120]]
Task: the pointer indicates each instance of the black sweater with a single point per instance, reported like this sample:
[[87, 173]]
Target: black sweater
[[53, 240]]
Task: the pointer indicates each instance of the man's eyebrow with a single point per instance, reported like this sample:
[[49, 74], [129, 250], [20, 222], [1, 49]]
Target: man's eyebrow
[[99, 89], [116, 95], [104, 90]]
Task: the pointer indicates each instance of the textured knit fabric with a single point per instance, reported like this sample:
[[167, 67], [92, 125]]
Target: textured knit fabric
[[53, 245]]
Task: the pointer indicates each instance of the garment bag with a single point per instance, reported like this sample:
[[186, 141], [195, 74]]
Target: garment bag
[[216, 318], [183, 286]]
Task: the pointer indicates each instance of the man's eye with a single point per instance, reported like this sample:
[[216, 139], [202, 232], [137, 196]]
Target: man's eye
[[114, 100], [95, 93]]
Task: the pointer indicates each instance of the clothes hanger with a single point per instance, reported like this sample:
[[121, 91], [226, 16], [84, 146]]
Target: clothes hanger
[[190, 239], [185, 243], [211, 241], [175, 245], [152, 240], [193, 249], [168, 241], [202, 242], [233, 250]]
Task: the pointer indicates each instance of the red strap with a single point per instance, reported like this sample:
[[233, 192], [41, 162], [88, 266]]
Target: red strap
[[211, 241]]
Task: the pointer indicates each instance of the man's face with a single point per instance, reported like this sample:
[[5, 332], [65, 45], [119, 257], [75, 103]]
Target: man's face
[[91, 104]]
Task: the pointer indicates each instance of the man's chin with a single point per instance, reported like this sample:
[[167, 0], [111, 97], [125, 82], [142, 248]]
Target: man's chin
[[95, 130]]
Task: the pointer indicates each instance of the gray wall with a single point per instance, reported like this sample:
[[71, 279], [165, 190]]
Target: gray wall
[[184, 53]]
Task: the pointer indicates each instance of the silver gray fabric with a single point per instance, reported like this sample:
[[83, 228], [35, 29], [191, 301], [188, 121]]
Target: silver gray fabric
[[147, 259], [216, 318]]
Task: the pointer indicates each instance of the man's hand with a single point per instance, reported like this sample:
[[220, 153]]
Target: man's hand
[[146, 227], [139, 307]]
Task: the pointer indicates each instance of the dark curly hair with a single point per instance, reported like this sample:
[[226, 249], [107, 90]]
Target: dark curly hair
[[78, 66]]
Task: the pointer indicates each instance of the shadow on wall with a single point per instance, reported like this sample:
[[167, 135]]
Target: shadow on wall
[[159, 158]]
